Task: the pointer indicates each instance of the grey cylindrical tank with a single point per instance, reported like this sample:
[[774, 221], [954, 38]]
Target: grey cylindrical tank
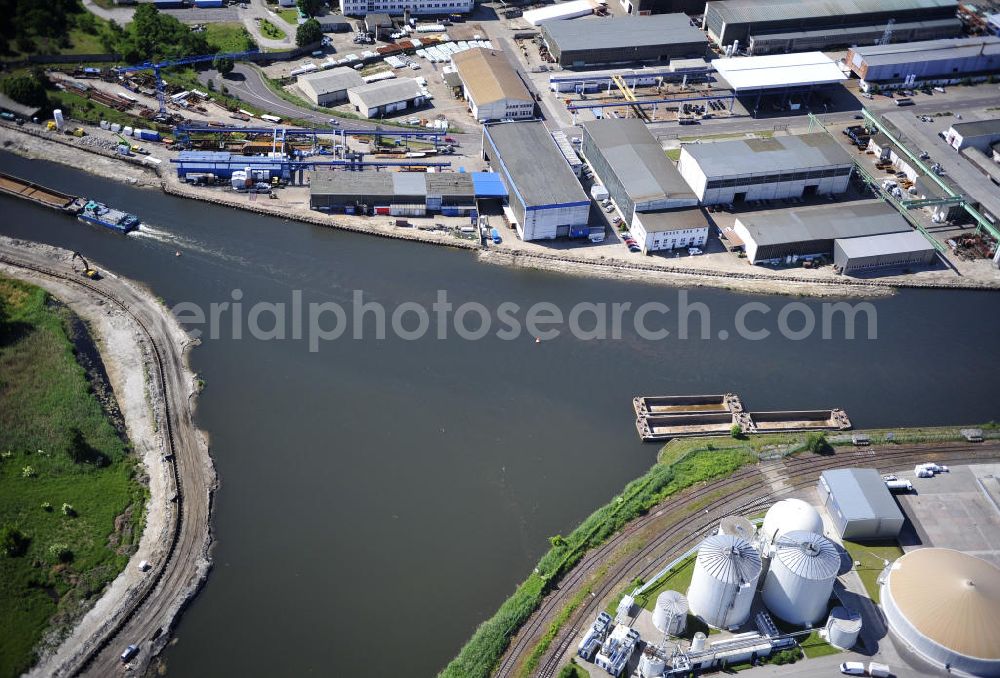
[[843, 627], [798, 585], [737, 526], [724, 580], [698, 642], [651, 663], [670, 613]]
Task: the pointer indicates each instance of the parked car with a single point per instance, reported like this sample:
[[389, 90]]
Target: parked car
[[130, 652], [609, 209], [634, 248], [853, 668]]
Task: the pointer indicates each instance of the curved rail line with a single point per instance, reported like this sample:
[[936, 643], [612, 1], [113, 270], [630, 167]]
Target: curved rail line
[[682, 533], [149, 583]]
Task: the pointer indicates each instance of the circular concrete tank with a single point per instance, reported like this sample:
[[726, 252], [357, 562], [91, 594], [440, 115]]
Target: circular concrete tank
[[945, 605], [798, 585], [724, 580], [738, 526], [670, 613], [651, 664], [843, 627], [790, 515]]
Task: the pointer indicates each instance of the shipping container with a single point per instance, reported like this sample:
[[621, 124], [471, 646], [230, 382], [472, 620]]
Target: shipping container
[[148, 135], [383, 211]]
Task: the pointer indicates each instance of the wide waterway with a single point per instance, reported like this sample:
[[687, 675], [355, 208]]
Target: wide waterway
[[380, 498]]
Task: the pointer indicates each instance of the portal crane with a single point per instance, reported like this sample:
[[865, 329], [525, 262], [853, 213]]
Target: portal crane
[[157, 67]]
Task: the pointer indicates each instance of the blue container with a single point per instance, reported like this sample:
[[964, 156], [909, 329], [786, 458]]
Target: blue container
[[149, 135], [579, 231]]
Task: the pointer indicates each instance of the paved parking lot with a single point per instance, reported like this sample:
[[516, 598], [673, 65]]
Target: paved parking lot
[[958, 510]]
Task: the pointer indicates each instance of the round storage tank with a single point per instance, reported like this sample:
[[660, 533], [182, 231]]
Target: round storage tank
[[843, 627], [670, 613], [698, 642], [724, 580], [790, 515], [651, 663], [738, 526], [945, 605], [804, 566]]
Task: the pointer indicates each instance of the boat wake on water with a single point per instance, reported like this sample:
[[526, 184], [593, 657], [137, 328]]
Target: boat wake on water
[[182, 244]]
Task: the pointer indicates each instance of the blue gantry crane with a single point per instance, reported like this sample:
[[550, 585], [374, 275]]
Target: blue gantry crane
[[183, 61]]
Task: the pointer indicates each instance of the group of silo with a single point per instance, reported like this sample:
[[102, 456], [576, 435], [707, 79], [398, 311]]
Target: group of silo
[[798, 565]]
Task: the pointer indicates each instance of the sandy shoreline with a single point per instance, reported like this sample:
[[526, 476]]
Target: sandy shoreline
[[684, 273], [139, 390]]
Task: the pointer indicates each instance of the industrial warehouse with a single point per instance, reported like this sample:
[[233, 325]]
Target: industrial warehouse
[[765, 169], [410, 194], [776, 236], [492, 88], [599, 42], [758, 587], [329, 87], [932, 62], [744, 22], [386, 97], [546, 200]]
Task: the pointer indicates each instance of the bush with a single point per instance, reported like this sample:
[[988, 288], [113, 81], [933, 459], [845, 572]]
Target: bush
[[68, 510], [13, 542], [26, 89], [736, 431], [817, 443], [28, 472], [47, 506], [60, 553]]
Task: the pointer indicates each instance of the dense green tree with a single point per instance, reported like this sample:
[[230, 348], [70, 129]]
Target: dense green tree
[[25, 89], [224, 65], [155, 36], [310, 7], [308, 33]]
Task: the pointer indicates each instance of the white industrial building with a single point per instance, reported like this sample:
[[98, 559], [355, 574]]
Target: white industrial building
[[561, 11], [398, 7], [329, 87], [669, 229], [979, 134], [875, 252], [800, 579], [724, 581], [765, 169], [546, 200], [860, 504], [492, 88], [944, 605], [386, 97]]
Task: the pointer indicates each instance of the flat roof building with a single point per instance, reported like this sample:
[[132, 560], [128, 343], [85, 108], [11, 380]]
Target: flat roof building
[[765, 169], [773, 235], [670, 229], [492, 87], [890, 250], [778, 71], [979, 134], [645, 7], [928, 60], [632, 165], [860, 504], [823, 38], [385, 97], [729, 21], [399, 193], [546, 199], [329, 87], [623, 40]]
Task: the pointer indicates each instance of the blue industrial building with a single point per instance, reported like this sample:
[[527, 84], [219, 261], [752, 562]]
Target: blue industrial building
[[222, 164]]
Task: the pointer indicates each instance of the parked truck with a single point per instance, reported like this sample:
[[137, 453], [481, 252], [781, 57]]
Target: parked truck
[[878, 670]]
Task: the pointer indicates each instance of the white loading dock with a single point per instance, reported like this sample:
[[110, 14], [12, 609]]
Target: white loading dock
[[329, 87], [669, 229], [766, 169], [379, 99]]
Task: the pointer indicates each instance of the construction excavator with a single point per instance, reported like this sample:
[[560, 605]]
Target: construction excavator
[[87, 271]]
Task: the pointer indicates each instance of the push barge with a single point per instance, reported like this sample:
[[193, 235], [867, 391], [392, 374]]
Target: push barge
[[87, 211], [666, 417]]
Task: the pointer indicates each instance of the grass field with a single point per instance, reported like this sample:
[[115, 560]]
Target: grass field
[[872, 557], [291, 16], [228, 37], [66, 479]]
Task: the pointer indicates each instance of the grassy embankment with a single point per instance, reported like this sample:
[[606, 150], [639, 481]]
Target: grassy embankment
[[677, 469], [71, 508], [872, 557], [486, 646]]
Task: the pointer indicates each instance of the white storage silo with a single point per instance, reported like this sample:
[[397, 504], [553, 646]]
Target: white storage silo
[[790, 515], [651, 663], [843, 627], [57, 116], [724, 580], [804, 566], [737, 526], [698, 642], [670, 613]]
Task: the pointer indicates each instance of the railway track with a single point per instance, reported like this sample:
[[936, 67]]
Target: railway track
[[680, 535], [84, 660]]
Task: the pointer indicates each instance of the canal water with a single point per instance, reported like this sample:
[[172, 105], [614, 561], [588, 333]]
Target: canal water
[[379, 498]]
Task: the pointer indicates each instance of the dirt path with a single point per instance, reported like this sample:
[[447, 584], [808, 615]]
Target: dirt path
[[145, 353]]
